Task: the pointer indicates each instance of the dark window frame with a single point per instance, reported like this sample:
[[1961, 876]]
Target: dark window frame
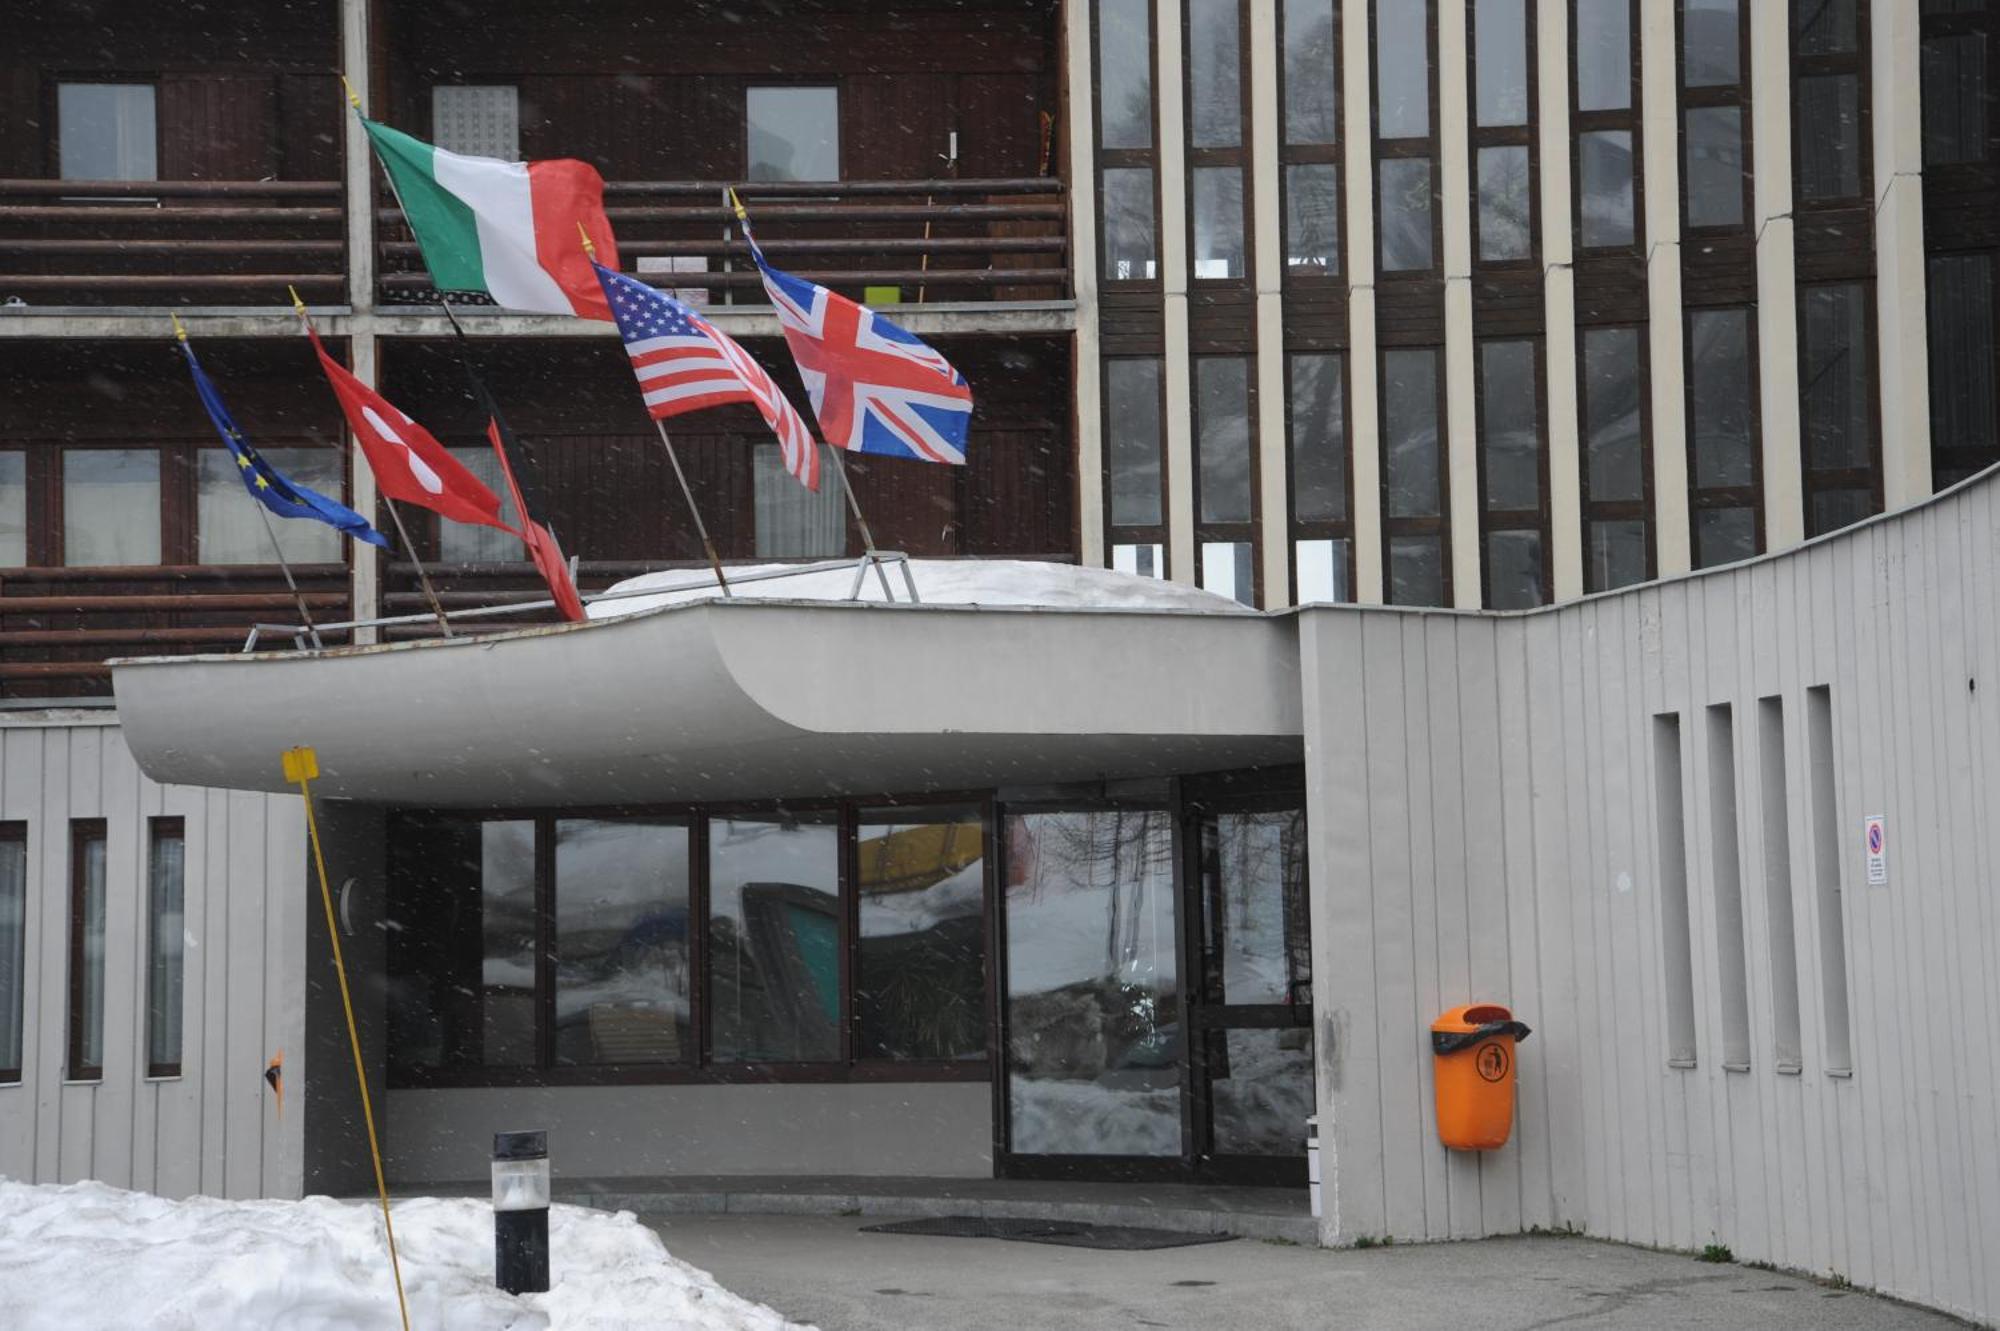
[[1425, 149], [1440, 524], [16, 832], [1738, 97], [1526, 135], [1315, 154], [156, 829], [1617, 510], [1137, 533], [1237, 158], [1749, 496], [1243, 533], [1320, 529], [1491, 520], [1627, 119], [83, 832], [1112, 158]]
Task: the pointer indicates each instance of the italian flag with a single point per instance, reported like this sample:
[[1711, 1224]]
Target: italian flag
[[508, 229]]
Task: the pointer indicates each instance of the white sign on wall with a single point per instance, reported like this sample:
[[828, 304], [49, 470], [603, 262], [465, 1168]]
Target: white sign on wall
[[1875, 841]]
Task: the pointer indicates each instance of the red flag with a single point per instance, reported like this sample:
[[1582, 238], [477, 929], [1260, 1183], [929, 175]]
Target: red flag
[[541, 542], [408, 463]]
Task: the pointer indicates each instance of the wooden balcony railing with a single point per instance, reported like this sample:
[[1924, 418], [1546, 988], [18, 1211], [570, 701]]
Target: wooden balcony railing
[[939, 240], [170, 242]]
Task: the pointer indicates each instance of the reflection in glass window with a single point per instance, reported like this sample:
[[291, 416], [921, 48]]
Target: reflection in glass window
[[1320, 570], [1143, 559], [1958, 302], [1829, 136], [1616, 554], [1604, 160], [1510, 433], [1312, 220], [86, 992], [13, 508], [1836, 413], [13, 946], [1319, 438], [1402, 69], [1410, 432], [111, 506], [1260, 1082], [1603, 55], [1227, 569], [1711, 43], [1128, 224], [1406, 214], [621, 952], [1833, 509], [1125, 74], [1310, 76], [1513, 570], [920, 984], [1955, 98], [107, 131], [774, 939], [1132, 423], [1215, 80], [469, 543], [227, 522], [1218, 222], [1714, 143], [792, 522], [794, 133], [166, 939], [1500, 59], [1222, 437], [1503, 204], [1612, 389], [1093, 984], [1721, 418], [1416, 570], [1724, 535]]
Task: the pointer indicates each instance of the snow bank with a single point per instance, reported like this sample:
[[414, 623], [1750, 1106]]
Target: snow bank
[[87, 1255], [939, 582]]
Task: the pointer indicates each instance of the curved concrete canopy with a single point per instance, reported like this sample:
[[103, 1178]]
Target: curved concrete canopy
[[733, 700]]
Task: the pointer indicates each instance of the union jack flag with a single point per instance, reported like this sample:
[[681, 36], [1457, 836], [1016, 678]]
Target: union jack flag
[[684, 364], [874, 387]]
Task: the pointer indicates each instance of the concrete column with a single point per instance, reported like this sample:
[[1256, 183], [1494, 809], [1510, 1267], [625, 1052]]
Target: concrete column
[[1897, 116], [366, 575], [1089, 371], [1559, 300], [365, 578], [1777, 284], [1460, 393], [1364, 416], [1268, 241], [1659, 76], [1177, 371]]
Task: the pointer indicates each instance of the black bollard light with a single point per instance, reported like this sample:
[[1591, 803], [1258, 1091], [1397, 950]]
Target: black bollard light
[[521, 1211]]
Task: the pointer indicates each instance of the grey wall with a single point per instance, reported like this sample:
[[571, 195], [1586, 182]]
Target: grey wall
[[1485, 826], [214, 1129]]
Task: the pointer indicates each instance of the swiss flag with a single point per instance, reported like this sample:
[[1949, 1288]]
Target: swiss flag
[[408, 463], [541, 542]]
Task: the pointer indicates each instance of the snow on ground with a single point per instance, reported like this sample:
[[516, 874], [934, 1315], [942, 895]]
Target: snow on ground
[[939, 582], [87, 1255]]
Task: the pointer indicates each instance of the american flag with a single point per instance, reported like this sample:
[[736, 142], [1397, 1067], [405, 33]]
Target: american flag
[[874, 387], [684, 364]]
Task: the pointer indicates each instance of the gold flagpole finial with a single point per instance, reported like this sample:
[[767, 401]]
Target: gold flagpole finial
[[298, 306], [736, 202], [180, 329], [353, 97], [589, 246]]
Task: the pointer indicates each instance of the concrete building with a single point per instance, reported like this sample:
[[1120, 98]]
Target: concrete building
[[1603, 357]]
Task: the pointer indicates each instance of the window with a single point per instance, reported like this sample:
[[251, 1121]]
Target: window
[[13, 945], [774, 939], [1503, 144], [1955, 101], [1512, 465], [478, 120], [1127, 158], [792, 521], [228, 528], [1958, 301], [1317, 425], [107, 131], [87, 889], [1406, 141], [1715, 177], [1215, 139], [13, 508], [1129, 253], [1616, 510], [622, 960], [1723, 463], [1402, 69], [469, 543], [920, 990], [1225, 476], [1218, 222], [794, 133], [166, 931], [1132, 453], [1829, 118], [1405, 198], [111, 506], [1604, 161], [1837, 403], [1413, 501], [1606, 124], [1311, 170]]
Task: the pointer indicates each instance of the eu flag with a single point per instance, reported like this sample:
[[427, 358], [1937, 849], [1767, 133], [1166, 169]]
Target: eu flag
[[266, 484]]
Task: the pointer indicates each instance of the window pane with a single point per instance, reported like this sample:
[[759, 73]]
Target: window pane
[[1504, 204], [1319, 439], [166, 933], [1128, 224], [1416, 570], [13, 948], [794, 133], [1711, 43], [792, 521], [1603, 55], [1312, 220], [1611, 398], [1834, 509], [1501, 59], [1617, 554], [1093, 1054], [1605, 158], [13, 509], [1721, 414], [621, 964], [480, 120], [1406, 214], [1310, 77], [501, 1032], [1145, 560], [1829, 136], [107, 131], [1834, 377], [920, 989], [1954, 91], [1410, 432], [1260, 1086], [1724, 535], [774, 939], [111, 506], [1133, 401], [1402, 69], [1228, 569], [1714, 166], [1959, 301], [229, 528], [1215, 93], [468, 543], [1513, 570], [1125, 73], [87, 1038], [1222, 440], [1825, 27], [1509, 427], [1218, 221], [1321, 570]]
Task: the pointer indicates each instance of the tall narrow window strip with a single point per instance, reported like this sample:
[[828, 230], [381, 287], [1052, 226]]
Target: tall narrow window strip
[[1837, 403], [1132, 393], [1215, 81], [1222, 419], [1965, 399], [1603, 40], [1956, 106], [1676, 940], [166, 932], [1318, 438], [86, 950], [1125, 73], [13, 946], [1410, 434], [1722, 435], [1726, 870], [1617, 533], [1500, 57], [1829, 900], [1775, 800], [1402, 69], [1311, 87]]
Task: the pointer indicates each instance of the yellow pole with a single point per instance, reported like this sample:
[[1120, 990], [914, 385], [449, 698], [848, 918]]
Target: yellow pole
[[302, 766]]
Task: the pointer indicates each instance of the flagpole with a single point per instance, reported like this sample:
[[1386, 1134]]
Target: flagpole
[[867, 537], [714, 559]]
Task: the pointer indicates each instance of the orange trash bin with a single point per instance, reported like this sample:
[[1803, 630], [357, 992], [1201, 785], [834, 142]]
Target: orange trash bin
[[1473, 1061]]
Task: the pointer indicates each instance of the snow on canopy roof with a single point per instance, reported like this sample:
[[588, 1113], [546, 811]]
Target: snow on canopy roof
[[995, 582]]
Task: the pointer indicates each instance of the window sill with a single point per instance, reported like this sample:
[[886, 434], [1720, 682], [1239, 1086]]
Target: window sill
[[1791, 1069], [163, 1077], [1680, 1063], [83, 1081], [1735, 1067], [1845, 1074]]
